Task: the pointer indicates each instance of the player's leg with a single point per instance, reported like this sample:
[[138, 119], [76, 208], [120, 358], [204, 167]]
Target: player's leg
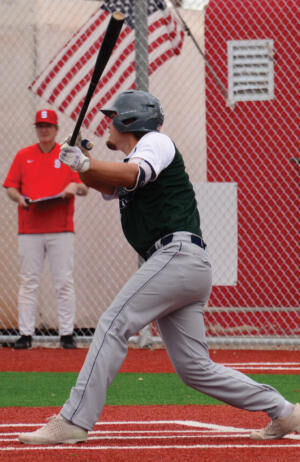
[[156, 289], [183, 333], [60, 250], [31, 250]]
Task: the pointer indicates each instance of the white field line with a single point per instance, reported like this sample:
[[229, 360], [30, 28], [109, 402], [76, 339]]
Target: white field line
[[143, 432], [161, 437], [273, 363], [262, 368], [175, 446], [209, 427], [152, 437], [174, 434], [188, 423], [212, 431], [271, 366]]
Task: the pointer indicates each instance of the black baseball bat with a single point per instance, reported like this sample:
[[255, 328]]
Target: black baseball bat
[[110, 38]]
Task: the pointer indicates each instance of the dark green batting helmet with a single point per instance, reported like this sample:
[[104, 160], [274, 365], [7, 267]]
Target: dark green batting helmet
[[135, 111]]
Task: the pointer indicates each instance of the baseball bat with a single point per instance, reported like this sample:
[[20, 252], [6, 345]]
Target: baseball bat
[[110, 38]]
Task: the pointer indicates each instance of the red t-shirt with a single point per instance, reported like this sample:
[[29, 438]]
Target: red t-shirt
[[36, 174]]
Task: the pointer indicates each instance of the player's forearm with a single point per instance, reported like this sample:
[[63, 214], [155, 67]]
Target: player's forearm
[[92, 182], [14, 194], [82, 189], [106, 176]]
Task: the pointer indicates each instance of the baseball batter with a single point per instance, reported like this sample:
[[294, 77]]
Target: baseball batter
[[160, 220]]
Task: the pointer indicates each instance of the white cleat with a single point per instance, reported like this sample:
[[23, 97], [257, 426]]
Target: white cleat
[[56, 431], [280, 427]]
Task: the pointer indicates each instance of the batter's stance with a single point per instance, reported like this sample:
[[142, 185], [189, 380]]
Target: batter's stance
[[160, 220]]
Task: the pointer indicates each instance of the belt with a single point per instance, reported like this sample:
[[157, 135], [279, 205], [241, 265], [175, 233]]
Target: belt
[[197, 240]]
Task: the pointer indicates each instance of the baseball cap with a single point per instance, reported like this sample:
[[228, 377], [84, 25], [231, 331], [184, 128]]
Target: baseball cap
[[47, 116]]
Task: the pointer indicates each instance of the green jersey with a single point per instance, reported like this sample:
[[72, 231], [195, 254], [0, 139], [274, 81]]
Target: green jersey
[[161, 207]]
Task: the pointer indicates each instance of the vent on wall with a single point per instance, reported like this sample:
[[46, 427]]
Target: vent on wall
[[250, 70]]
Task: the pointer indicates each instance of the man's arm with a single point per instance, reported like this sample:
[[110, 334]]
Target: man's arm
[[100, 175], [74, 188], [16, 196], [82, 189], [106, 176]]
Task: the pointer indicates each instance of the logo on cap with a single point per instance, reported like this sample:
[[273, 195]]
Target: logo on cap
[[46, 116]]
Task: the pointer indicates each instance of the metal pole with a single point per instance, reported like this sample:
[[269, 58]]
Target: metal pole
[[141, 51], [144, 339], [141, 44]]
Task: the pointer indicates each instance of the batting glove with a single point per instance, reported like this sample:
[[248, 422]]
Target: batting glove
[[83, 144], [74, 158]]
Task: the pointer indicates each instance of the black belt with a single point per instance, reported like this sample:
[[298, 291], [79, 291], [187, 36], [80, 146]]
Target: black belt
[[197, 240]]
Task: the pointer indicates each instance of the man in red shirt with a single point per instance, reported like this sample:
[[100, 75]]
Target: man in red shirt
[[45, 226]]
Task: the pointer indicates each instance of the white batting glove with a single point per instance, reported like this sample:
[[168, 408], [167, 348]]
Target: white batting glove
[[74, 158], [83, 144]]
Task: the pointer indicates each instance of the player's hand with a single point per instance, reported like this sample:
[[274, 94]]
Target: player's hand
[[69, 191], [74, 158], [84, 145], [24, 202]]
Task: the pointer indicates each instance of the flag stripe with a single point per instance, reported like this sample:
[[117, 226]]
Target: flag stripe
[[75, 56], [155, 49], [74, 46], [84, 66], [86, 79], [103, 123], [120, 55], [65, 80]]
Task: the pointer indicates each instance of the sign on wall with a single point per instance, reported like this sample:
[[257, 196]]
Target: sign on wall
[[217, 203]]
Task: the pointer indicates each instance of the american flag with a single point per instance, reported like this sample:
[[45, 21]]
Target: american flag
[[65, 80]]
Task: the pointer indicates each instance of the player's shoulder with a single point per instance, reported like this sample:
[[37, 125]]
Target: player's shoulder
[[157, 139], [156, 136], [28, 150]]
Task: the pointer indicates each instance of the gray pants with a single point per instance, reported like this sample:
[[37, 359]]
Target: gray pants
[[172, 287]]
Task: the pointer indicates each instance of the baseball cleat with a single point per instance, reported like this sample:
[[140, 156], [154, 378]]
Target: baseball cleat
[[68, 342], [56, 431], [23, 343], [280, 427]]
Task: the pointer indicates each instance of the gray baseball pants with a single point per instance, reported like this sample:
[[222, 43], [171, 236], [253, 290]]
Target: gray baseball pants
[[172, 287]]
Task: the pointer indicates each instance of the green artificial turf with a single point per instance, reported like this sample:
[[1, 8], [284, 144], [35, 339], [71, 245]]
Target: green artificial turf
[[52, 389]]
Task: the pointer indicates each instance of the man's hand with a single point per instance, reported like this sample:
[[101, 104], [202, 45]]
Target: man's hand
[[74, 188], [15, 195], [84, 145], [24, 202], [74, 158], [69, 191]]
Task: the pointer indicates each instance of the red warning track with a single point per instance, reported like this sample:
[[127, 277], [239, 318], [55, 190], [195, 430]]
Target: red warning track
[[152, 433], [59, 360]]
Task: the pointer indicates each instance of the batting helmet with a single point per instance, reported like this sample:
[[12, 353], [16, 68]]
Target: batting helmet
[[135, 111]]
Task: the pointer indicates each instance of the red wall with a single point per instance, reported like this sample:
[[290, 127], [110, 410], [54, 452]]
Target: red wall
[[252, 145]]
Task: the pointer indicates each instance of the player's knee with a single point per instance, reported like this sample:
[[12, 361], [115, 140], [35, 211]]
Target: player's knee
[[189, 370], [64, 287], [121, 327]]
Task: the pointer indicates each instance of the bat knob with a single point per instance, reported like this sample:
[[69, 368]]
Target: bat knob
[[86, 144]]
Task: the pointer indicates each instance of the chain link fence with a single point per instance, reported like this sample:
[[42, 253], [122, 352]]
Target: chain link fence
[[228, 87]]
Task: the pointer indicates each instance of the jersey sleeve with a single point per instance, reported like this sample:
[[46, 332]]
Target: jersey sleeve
[[157, 149], [13, 178]]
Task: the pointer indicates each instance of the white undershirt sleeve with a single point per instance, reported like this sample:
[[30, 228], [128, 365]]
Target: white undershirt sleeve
[[153, 153], [155, 148]]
